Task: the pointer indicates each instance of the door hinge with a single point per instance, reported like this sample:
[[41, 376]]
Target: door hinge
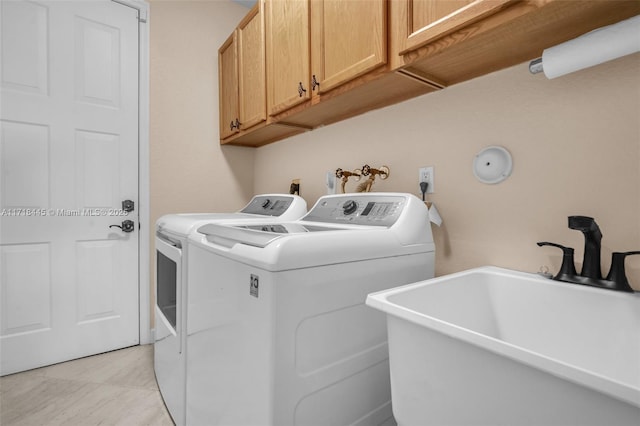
[[142, 15], [139, 6]]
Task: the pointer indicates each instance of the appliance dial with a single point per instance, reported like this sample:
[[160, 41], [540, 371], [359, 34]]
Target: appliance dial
[[266, 203], [349, 207]]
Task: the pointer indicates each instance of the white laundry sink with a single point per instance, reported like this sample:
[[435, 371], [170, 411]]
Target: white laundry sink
[[500, 347]]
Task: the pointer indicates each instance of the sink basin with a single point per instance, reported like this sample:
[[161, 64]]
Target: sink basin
[[500, 347]]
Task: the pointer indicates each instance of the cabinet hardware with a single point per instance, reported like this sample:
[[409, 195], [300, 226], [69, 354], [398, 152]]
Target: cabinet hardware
[[314, 83], [235, 125], [301, 89]]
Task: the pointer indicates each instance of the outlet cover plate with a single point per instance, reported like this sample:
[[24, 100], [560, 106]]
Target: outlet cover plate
[[425, 174]]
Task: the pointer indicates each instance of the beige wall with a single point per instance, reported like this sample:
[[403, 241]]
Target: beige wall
[[575, 143], [189, 170]]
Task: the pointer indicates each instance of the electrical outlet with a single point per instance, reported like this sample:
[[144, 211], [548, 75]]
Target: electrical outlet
[[425, 174], [330, 182]]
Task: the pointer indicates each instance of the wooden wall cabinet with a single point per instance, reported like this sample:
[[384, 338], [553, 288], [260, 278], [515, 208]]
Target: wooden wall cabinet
[[314, 46], [242, 81], [328, 60], [241, 73], [348, 39], [419, 22], [288, 53], [448, 42], [251, 69], [228, 87]]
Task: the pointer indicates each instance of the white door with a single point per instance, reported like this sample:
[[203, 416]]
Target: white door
[[68, 158]]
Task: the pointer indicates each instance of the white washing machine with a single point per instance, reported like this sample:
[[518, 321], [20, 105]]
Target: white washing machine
[[277, 328], [171, 285]]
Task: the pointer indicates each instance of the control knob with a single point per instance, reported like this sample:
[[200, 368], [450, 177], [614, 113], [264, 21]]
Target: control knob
[[349, 207], [266, 203]]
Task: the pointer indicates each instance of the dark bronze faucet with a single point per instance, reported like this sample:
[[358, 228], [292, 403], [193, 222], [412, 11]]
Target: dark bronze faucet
[[591, 273], [592, 238]]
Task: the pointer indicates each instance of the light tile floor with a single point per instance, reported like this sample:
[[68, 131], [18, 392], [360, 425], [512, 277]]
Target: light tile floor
[[115, 388]]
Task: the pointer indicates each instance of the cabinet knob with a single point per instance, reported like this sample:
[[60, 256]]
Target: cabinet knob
[[235, 125], [238, 124], [301, 89], [314, 83]]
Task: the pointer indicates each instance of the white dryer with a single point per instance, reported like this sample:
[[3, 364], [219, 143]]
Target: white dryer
[[171, 285], [277, 328]]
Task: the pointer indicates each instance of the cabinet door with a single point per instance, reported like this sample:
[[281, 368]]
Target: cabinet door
[[349, 38], [422, 21], [251, 77], [228, 86], [287, 54]]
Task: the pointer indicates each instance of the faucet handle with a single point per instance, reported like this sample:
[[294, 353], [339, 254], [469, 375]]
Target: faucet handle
[[568, 268], [617, 273]]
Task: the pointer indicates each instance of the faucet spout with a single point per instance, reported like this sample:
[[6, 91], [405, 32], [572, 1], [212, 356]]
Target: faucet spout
[[592, 237]]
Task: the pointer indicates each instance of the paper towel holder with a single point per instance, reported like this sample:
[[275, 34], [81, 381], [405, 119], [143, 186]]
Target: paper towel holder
[[595, 47], [492, 165], [535, 66]]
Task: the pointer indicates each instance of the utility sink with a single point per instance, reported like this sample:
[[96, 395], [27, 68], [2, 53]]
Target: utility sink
[[500, 347]]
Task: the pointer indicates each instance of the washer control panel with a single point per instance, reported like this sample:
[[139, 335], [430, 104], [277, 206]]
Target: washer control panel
[[370, 209], [268, 205]]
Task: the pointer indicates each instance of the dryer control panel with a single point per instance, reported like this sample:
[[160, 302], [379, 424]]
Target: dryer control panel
[[268, 205], [358, 209]]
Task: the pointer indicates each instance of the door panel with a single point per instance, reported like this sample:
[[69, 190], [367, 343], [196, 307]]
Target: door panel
[[69, 156], [98, 169], [357, 47], [97, 269], [288, 54], [228, 83], [423, 21], [425, 13], [97, 64], [25, 165], [26, 284], [24, 65], [251, 76]]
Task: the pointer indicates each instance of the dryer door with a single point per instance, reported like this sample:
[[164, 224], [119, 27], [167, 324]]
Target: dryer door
[[168, 285], [169, 327]]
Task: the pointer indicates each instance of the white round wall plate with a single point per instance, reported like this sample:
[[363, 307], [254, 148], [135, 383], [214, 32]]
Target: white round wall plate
[[492, 165]]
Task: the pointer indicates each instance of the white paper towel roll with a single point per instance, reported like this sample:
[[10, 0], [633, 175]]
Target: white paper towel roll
[[598, 46]]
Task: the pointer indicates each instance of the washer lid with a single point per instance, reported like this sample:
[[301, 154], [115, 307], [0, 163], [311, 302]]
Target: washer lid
[[276, 207], [316, 245], [258, 235], [182, 224]]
